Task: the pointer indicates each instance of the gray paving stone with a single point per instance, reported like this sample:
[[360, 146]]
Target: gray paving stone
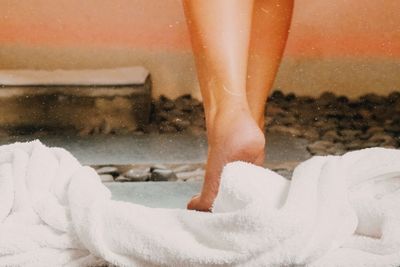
[[159, 148]]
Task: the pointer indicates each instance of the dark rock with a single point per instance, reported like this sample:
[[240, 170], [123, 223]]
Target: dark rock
[[342, 99], [180, 124], [290, 97], [372, 99], [365, 113], [393, 97], [381, 113], [326, 99], [393, 127], [163, 116], [396, 105], [168, 105], [305, 100], [184, 103], [276, 96], [163, 175]]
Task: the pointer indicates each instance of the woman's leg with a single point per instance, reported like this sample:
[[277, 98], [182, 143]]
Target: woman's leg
[[270, 29], [220, 34]]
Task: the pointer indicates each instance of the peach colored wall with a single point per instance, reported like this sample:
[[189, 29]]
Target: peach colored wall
[[331, 28], [152, 30]]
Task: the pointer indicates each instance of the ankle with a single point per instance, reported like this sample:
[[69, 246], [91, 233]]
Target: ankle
[[231, 109]]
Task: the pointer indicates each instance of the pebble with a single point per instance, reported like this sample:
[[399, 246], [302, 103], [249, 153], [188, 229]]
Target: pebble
[[180, 124], [383, 139], [324, 125], [337, 149], [286, 120], [365, 113], [159, 175], [355, 144], [122, 179], [331, 135], [350, 134], [106, 178], [310, 134], [168, 105], [107, 169], [276, 96], [326, 98], [138, 175], [158, 166], [375, 129]]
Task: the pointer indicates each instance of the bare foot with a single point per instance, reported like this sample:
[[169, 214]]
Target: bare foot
[[234, 136]]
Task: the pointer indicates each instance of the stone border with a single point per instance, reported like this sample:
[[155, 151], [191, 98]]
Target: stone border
[[169, 172]]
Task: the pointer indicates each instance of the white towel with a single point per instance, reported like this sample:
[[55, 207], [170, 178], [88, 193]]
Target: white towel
[[336, 211]]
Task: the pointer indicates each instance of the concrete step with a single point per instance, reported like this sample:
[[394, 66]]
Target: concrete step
[[85, 101]]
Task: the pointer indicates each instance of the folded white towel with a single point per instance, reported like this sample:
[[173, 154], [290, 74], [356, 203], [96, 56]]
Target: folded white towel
[[336, 211]]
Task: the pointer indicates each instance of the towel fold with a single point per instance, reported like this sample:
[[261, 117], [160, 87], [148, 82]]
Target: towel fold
[[336, 211]]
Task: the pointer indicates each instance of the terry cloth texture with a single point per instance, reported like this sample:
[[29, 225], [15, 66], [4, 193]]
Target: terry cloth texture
[[336, 211]]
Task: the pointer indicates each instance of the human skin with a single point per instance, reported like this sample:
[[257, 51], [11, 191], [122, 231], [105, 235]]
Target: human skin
[[238, 46]]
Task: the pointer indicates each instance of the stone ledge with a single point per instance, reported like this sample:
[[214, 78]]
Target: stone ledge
[[86, 101], [84, 77]]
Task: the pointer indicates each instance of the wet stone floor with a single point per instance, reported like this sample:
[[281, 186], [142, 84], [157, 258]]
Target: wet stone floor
[[328, 124], [173, 146]]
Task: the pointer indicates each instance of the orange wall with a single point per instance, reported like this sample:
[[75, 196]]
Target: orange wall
[[320, 28]]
